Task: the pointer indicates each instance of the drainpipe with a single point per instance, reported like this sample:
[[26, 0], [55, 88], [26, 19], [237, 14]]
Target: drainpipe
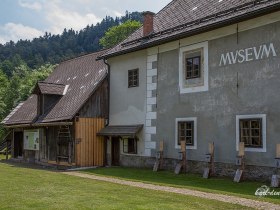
[[108, 79], [108, 108]]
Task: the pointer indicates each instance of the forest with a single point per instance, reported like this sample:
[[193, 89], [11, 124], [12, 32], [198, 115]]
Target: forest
[[25, 62]]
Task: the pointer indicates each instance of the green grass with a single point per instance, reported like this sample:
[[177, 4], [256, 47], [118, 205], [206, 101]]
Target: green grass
[[244, 189], [3, 157], [27, 188]]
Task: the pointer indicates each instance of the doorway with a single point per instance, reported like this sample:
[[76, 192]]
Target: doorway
[[18, 144], [115, 151]]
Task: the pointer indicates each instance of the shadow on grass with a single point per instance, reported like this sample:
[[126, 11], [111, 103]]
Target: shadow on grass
[[12, 163], [220, 185]]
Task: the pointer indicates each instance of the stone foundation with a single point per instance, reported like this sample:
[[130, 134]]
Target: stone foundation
[[256, 173]]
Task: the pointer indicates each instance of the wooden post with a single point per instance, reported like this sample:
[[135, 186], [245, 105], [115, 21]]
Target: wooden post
[[161, 146], [275, 177], [241, 151], [209, 169], [278, 151], [159, 158], [184, 162], [182, 165], [240, 162], [7, 148]]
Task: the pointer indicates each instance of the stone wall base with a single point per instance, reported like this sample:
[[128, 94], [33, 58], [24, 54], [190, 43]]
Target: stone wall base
[[254, 173]]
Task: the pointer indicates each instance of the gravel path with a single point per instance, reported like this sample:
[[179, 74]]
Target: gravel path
[[219, 197]]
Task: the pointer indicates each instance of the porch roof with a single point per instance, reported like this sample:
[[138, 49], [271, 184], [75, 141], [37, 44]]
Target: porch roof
[[120, 130]]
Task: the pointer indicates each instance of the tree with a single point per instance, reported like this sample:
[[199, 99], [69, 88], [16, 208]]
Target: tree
[[117, 34], [22, 83], [3, 90]]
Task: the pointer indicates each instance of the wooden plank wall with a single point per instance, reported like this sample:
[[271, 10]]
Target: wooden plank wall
[[89, 147]]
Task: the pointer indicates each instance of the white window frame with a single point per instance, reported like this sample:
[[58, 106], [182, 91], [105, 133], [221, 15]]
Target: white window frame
[[254, 116], [194, 120], [204, 71]]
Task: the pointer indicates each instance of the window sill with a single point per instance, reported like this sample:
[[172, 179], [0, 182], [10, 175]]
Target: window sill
[[187, 147], [129, 154], [193, 89], [251, 149]]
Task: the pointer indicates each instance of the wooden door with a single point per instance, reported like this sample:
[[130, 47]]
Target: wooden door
[[115, 152], [89, 148], [18, 144]]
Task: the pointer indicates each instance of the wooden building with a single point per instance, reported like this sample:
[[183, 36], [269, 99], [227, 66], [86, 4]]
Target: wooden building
[[58, 123]]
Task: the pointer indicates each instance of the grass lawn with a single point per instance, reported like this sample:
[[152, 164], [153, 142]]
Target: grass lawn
[[3, 157], [27, 188], [216, 185]]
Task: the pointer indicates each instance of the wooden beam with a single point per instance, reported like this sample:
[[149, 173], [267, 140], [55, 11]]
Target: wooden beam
[[278, 151], [241, 149]]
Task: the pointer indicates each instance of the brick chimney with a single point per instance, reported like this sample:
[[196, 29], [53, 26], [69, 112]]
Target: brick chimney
[[148, 25]]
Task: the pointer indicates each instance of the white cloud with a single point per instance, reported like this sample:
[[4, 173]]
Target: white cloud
[[117, 14], [34, 5], [59, 18], [13, 31]]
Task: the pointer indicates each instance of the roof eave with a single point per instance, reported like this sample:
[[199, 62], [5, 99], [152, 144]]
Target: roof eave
[[220, 24], [37, 125]]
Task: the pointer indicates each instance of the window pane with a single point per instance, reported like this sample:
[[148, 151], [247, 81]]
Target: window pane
[[125, 146], [189, 133], [246, 140], [185, 132], [255, 124], [182, 125], [250, 132], [192, 67], [245, 124], [133, 78], [189, 140], [255, 132], [256, 142], [189, 75], [189, 62]]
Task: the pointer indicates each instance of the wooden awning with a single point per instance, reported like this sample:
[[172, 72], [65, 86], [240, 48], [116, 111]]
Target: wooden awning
[[120, 130]]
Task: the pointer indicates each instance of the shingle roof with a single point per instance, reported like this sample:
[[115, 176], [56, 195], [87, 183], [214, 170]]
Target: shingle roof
[[182, 18], [118, 130], [51, 88], [24, 113], [81, 75]]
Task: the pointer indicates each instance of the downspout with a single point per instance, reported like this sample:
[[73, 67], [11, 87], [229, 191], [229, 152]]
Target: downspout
[[108, 108], [108, 80]]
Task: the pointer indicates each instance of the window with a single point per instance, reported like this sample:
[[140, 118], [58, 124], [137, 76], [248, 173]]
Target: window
[[133, 78], [251, 129], [130, 146], [186, 130], [251, 132], [193, 68]]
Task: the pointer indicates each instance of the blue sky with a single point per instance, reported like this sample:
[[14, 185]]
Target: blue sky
[[26, 19]]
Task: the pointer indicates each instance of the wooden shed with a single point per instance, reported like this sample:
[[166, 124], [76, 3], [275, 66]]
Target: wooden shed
[[58, 123]]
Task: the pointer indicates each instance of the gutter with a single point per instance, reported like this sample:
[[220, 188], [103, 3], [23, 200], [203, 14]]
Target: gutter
[[108, 79], [38, 125], [213, 26]]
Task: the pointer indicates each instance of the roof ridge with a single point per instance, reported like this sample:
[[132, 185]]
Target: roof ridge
[[252, 3], [51, 83], [84, 55]]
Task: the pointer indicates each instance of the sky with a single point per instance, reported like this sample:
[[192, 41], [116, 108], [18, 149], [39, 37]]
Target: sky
[[27, 19]]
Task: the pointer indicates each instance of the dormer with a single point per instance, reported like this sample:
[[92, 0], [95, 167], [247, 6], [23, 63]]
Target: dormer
[[48, 95]]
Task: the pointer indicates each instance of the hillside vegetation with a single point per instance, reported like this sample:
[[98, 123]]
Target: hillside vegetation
[[25, 62]]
